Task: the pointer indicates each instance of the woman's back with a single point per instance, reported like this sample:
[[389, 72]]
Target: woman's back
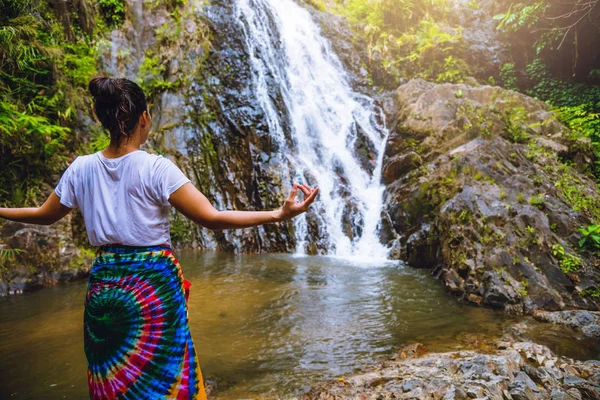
[[123, 200]]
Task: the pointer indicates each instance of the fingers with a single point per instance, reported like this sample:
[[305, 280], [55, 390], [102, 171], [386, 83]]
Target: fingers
[[309, 200], [293, 192], [305, 189], [309, 195]]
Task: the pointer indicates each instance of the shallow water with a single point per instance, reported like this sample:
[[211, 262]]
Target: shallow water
[[261, 324]]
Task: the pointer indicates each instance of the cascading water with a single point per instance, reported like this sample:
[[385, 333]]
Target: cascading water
[[326, 119]]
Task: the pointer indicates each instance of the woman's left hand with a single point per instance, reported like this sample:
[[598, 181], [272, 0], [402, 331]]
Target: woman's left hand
[[291, 208]]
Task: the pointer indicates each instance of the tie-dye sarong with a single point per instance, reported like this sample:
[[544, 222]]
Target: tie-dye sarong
[[136, 334]]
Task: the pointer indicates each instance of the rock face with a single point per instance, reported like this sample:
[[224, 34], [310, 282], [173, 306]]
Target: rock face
[[483, 187], [206, 115], [520, 370], [34, 256], [486, 51]]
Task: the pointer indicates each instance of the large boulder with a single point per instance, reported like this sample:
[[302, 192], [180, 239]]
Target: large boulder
[[492, 197], [34, 256]]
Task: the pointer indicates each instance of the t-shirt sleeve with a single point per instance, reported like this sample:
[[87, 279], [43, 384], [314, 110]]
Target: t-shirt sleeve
[[167, 179], [65, 189]]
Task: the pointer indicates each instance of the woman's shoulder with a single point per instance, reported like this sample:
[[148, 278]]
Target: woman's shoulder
[[155, 159], [80, 161]]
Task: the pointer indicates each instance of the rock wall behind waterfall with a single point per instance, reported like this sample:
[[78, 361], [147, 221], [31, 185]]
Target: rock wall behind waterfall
[[208, 121], [248, 97]]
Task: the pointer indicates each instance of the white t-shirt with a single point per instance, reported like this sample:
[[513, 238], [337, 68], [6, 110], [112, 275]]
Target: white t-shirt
[[123, 200]]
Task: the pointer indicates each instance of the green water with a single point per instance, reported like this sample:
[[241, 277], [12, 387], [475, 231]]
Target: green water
[[261, 324]]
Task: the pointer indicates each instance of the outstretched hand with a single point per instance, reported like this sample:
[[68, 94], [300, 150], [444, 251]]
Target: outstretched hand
[[291, 208]]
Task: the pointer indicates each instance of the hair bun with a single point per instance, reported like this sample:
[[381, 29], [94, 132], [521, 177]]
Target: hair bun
[[105, 90]]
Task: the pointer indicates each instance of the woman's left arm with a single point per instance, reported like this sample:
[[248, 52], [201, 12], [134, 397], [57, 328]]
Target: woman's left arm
[[50, 212]]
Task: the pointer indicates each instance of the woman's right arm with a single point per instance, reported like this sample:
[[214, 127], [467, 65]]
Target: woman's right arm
[[51, 211], [193, 204]]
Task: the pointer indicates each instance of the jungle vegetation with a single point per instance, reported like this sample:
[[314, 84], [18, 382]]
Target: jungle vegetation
[[49, 51]]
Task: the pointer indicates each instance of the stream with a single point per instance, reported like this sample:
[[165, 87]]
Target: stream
[[261, 324]]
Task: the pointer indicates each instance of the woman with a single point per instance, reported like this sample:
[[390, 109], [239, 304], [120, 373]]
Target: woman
[[136, 335]]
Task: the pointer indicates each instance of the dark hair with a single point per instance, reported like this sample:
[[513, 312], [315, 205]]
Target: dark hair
[[118, 104]]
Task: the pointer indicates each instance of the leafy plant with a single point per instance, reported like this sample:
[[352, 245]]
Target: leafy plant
[[591, 237], [508, 76], [568, 262], [113, 11], [591, 292]]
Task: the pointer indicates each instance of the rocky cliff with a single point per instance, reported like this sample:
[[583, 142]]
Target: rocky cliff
[[487, 188]]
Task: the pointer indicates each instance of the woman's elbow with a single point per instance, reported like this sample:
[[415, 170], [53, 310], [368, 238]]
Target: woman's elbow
[[212, 223]]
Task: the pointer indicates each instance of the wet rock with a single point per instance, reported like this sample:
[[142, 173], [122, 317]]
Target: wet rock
[[42, 255], [507, 372], [587, 389], [572, 394], [411, 351], [486, 193], [421, 248], [523, 388], [399, 165], [587, 322]]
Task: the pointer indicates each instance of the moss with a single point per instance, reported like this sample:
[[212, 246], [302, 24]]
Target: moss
[[151, 75], [514, 119], [537, 201], [591, 292], [83, 259], [568, 262], [573, 190], [524, 286], [181, 230], [113, 11]]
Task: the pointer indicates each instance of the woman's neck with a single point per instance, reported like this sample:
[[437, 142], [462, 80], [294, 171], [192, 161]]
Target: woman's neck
[[114, 150]]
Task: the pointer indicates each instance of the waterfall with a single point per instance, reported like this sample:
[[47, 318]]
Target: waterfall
[[325, 122]]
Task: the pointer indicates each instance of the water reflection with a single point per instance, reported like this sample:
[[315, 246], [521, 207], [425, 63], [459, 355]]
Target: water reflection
[[261, 323]]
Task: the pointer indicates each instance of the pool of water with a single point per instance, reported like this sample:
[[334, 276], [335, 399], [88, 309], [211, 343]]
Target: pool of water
[[261, 324]]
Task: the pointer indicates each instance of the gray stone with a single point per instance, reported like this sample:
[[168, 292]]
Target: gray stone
[[491, 201]]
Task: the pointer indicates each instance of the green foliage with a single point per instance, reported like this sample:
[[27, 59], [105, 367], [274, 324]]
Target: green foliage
[[464, 216], [168, 33], [8, 257], [591, 237], [568, 262], [100, 141], [514, 119], [432, 52], [572, 189], [591, 292], [151, 76], [537, 201], [43, 71], [520, 15], [524, 286], [78, 63], [29, 144], [508, 76], [113, 11], [408, 38], [180, 230], [557, 92]]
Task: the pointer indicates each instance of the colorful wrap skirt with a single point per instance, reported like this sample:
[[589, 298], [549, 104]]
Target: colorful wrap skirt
[[136, 335]]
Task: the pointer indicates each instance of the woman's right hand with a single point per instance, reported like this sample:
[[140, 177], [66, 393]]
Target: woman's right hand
[[291, 208]]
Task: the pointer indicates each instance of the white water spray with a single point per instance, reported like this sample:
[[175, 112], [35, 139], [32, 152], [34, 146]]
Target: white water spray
[[286, 46]]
